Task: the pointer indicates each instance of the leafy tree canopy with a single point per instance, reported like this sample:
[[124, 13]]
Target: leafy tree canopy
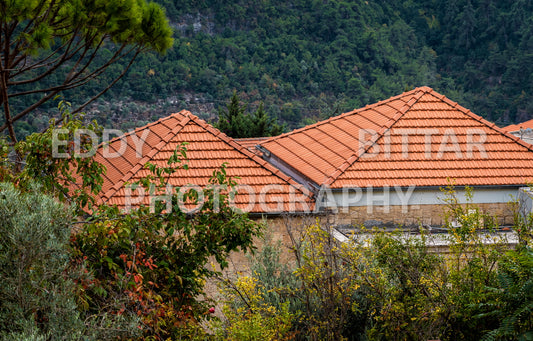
[[99, 272], [67, 42]]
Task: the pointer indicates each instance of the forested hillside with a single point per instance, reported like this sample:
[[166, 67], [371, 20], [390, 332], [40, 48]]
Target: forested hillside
[[308, 60]]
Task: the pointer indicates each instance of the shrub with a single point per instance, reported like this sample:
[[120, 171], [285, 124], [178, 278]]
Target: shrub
[[247, 316], [36, 296], [384, 285], [152, 263], [128, 273], [510, 300]]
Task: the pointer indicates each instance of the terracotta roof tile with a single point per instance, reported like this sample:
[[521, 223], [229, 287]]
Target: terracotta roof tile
[[117, 167], [516, 127], [454, 133], [251, 142], [207, 149]]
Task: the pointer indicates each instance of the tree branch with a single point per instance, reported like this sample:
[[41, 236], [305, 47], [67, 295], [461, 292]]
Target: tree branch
[[56, 91], [92, 99], [50, 66], [69, 84], [27, 110], [91, 58], [76, 54]]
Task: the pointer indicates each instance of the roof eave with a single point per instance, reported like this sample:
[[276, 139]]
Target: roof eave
[[429, 188]]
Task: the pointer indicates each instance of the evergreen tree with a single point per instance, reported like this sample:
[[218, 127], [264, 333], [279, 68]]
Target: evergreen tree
[[232, 120], [263, 125], [300, 56], [53, 46]]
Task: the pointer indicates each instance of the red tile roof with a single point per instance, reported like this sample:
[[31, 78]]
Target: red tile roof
[[207, 150], [251, 142], [417, 138], [516, 127], [118, 166]]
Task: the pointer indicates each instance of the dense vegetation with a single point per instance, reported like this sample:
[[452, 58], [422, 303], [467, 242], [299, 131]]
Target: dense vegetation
[[308, 60], [74, 270], [235, 121], [388, 285]]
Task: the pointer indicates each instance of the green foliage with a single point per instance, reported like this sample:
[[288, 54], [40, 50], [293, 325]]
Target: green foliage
[[481, 49], [400, 278], [112, 274], [416, 293], [37, 297], [35, 294], [314, 54], [381, 285], [248, 317], [276, 276], [267, 302], [59, 159], [317, 293], [511, 301], [54, 46], [235, 122], [261, 125], [155, 260], [523, 221], [327, 285]]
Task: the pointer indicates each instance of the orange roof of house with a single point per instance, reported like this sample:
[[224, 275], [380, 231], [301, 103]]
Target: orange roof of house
[[516, 127], [251, 142], [207, 150], [117, 166], [418, 138]]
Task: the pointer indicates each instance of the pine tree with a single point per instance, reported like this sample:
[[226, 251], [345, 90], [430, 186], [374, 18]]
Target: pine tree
[[65, 44], [232, 120], [263, 125]]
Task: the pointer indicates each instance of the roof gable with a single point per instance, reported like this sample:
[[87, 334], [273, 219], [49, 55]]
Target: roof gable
[[418, 138], [207, 150], [325, 148], [122, 153]]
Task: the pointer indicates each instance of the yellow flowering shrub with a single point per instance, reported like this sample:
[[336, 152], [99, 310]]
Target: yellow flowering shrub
[[246, 315]]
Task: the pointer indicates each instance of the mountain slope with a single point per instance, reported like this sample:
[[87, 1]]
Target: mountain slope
[[309, 60]]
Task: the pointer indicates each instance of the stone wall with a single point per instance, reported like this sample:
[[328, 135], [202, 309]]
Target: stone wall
[[411, 215]]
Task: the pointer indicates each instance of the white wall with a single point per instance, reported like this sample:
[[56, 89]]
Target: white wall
[[525, 198], [395, 196]]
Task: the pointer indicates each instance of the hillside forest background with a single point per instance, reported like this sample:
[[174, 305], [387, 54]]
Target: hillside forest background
[[308, 60]]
